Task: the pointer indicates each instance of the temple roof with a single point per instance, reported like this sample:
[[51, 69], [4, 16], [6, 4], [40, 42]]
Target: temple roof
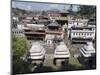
[[54, 24]]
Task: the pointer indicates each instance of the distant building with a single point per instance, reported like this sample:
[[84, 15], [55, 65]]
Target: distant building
[[18, 32], [28, 19], [35, 31], [20, 26], [61, 17], [14, 24], [15, 21], [64, 13], [53, 30], [81, 34], [92, 23], [43, 20], [65, 27], [53, 15], [15, 18], [42, 32], [77, 23]]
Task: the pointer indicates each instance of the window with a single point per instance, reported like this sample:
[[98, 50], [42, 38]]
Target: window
[[76, 33], [90, 34], [82, 33], [87, 33], [70, 23], [79, 34], [73, 33]]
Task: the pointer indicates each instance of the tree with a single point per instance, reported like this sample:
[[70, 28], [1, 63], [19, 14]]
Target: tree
[[87, 11], [18, 11], [70, 9], [19, 47]]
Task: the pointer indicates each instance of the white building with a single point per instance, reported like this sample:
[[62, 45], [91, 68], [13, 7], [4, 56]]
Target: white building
[[49, 39], [92, 23], [15, 18], [77, 23], [18, 32], [82, 34], [61, 54], [36, 26], [29, 17], [37, 53], [20, 26], [65, 27]]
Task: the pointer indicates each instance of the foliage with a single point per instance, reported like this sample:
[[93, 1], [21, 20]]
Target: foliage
[[70, 10], [19, 48], [74, 62], [18, 11], [87, 11]]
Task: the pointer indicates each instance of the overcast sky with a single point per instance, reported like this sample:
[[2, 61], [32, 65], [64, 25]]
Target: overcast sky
[[41, 6]]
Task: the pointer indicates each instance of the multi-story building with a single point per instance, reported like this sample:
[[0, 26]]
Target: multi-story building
[[53, 30], [78, 23], [63, 18], [15, 20], [18, 30], [43, 20], [35, 31], [92, 23], [82, 34]]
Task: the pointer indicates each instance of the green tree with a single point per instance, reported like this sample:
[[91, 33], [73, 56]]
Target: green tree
[[19, 47], [18, 11], [87, 11]]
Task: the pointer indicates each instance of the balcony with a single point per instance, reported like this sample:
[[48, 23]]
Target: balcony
[[54, 31]]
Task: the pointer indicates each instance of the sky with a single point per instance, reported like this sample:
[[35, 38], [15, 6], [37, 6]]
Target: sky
[[41, 6]]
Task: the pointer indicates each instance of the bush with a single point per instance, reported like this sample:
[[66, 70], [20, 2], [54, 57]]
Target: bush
[[75, 63], [19, 47]]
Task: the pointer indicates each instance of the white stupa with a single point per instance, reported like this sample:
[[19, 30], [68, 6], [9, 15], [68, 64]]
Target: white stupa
[[61, 53], [88, 50], [37, 53]]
